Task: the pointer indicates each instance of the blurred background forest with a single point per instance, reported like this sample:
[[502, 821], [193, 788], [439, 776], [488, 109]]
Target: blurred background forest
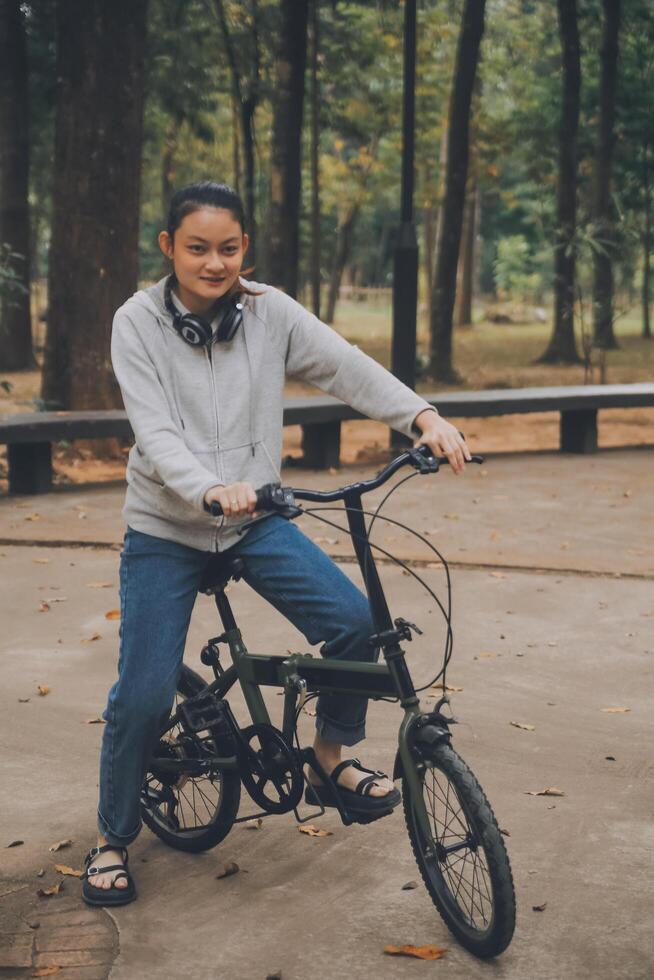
[[534, 170]]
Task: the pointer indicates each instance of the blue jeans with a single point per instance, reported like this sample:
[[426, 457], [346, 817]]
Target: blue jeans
[[159, 581]]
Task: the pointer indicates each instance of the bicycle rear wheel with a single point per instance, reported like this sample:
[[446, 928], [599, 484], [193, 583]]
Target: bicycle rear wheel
[[463, 861], [190, 813]]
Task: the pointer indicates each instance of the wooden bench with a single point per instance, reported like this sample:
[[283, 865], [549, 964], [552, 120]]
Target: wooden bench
[[29, 437]]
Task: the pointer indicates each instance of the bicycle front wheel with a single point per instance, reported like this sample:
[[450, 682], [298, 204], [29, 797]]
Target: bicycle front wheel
[[189, 812], [463, 861]]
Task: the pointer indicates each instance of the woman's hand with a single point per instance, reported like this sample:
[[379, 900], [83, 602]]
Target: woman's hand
[[236, 500], [443, 439]]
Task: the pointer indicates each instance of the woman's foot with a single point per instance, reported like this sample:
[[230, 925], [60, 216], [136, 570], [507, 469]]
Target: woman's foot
[[329, 754], [105, 860]]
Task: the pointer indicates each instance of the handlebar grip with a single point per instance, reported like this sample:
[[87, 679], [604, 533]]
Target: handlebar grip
[[271, 496]]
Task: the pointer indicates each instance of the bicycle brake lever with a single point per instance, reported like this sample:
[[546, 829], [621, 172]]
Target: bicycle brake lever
[[423, 463]]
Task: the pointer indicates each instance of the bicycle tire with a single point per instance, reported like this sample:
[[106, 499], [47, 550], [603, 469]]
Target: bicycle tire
[[225, 810], [485, 925]]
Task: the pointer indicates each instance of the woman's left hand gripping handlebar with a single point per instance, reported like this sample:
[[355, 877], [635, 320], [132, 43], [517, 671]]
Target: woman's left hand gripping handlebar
[[443, 438]]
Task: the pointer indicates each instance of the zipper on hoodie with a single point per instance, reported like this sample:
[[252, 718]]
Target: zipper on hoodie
[[215, 409]]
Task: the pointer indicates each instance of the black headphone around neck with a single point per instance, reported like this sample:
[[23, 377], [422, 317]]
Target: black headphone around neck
[[197, 331]]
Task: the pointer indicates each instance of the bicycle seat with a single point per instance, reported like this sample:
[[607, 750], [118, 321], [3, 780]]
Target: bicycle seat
[[218, 572]]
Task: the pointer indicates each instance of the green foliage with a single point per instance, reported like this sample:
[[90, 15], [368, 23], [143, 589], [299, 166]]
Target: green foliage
[[10, 279], [515, 276]]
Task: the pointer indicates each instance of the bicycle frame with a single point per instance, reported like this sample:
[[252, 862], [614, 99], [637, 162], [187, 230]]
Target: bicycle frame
[[301, 674]]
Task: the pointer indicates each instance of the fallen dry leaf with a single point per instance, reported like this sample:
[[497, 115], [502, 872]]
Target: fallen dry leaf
[[15, 843], [95, 721], [23, 700], [44, 607], [409, 886], [487, 653], [228, 869], [46, 971], [323, 540], [112, 614], [525, 727], [32, 517], [616, 711], [497, 574], [47, 892], [539, 908], [59, 846], [447, 687], [420, 952], [254, 824], [64, 869], [610, 758], [550, 791], [99, 585], [310, 711], [92, 638], [56, 598], [41, 561], [311, 831], [43, 689]]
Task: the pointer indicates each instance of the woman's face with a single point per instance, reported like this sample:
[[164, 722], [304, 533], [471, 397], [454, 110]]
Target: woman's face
[[207, 254]]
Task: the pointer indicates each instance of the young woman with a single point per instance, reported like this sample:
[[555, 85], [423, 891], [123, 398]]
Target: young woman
[[201, 359]]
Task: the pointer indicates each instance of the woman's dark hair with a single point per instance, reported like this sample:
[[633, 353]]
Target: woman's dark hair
[[206, 194]]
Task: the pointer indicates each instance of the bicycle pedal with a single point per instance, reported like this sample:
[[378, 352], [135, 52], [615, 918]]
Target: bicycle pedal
[[204, 711], [369, 817]]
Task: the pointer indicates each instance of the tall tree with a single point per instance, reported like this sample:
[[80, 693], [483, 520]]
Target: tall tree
[[444, 287], [286, 148], [603, 333], [15, 319], [95, 212], [244, 57], [562, 348], [315, 156]]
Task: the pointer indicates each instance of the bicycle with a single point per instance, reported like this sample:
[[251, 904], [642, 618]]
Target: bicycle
[[191, 792]]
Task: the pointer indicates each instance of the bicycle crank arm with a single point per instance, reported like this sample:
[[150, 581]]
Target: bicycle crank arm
[[195, 767]]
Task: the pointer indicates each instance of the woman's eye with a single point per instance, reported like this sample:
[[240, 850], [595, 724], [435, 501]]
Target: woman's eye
[[196, 248]]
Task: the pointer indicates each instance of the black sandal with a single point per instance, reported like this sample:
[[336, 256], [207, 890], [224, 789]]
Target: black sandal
[[357, 802], [112, 895]]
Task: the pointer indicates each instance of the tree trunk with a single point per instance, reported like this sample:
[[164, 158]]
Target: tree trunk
[[341, 255], [246, 103], [562, 348], [647, 245], [315, 167], [603, 334], [465, 272], [467, 56], [15, 318], [93, 265], [236, 149], [286, 147], [168, 164]]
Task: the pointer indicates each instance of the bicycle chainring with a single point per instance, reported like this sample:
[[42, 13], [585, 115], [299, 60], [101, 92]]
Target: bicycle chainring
[[269, 769]]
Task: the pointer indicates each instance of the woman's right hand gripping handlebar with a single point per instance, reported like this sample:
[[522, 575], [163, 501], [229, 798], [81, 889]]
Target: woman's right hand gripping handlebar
[[236, 500]]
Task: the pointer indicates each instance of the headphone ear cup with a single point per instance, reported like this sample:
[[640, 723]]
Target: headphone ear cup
[[230, 322], [194, 330]]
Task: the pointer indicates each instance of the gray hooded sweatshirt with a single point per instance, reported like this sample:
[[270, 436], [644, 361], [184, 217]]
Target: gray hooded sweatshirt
[[203, 417]]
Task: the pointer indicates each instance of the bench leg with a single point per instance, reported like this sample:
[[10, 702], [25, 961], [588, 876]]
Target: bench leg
[[579, 431], [30, 467], [321, 445]]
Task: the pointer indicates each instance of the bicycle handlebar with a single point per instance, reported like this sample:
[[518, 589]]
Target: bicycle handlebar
[[274, 497]]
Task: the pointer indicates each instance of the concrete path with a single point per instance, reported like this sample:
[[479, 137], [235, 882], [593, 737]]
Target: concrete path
[[554, 622]]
